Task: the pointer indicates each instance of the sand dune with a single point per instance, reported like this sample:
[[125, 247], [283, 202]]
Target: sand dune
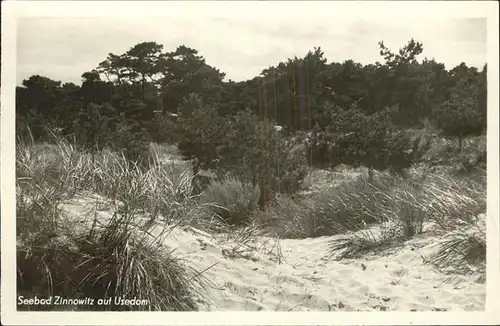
[[307, 281], [254, 278]]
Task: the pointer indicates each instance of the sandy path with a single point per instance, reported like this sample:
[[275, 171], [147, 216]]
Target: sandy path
[[255, 280], [308, 281]]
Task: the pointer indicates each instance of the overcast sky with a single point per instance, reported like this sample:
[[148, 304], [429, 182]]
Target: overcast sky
[[243, 41]]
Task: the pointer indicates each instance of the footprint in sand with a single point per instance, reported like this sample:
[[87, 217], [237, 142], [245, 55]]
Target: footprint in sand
[[243, 305], [306, 302], [425, 299], [385, 291], [355, 284], [363, 289], [240, 290], [284, 279]]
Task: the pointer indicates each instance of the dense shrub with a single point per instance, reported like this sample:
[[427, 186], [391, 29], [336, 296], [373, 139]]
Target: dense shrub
[[244, 146], [464, 113], [447, 153], [258, 154], [203, 133], [164, 128], [370, 140], [132, 139]]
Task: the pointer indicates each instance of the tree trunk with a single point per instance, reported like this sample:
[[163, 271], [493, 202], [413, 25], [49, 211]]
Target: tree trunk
[[196, 167], [370, 175], [143, 87], [194, 180], [262, 196], [460, 143]]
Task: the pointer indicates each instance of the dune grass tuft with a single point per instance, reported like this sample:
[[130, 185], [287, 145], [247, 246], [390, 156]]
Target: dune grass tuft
[[457, 206], [453, 205], [461, 252], [345, 207], [58, 254], [232, 200]]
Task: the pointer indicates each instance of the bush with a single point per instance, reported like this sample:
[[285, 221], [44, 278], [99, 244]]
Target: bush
[[203, 132], [405, 149], [370, 140], [132, 140], [258, 154], [291, 168], [164, 128], [242, 145], [202, 180], [463, 114], [234, 201], [444, 151]]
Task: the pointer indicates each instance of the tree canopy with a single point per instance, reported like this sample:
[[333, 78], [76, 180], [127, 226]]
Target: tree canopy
[[351, 111]]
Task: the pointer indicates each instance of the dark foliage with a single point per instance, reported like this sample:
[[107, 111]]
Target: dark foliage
[[352, 114]]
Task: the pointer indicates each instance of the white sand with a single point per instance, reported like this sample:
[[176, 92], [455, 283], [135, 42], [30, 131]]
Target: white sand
[[254, 279]]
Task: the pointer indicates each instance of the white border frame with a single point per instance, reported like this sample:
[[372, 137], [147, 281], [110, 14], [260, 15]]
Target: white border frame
[[13, 9]]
